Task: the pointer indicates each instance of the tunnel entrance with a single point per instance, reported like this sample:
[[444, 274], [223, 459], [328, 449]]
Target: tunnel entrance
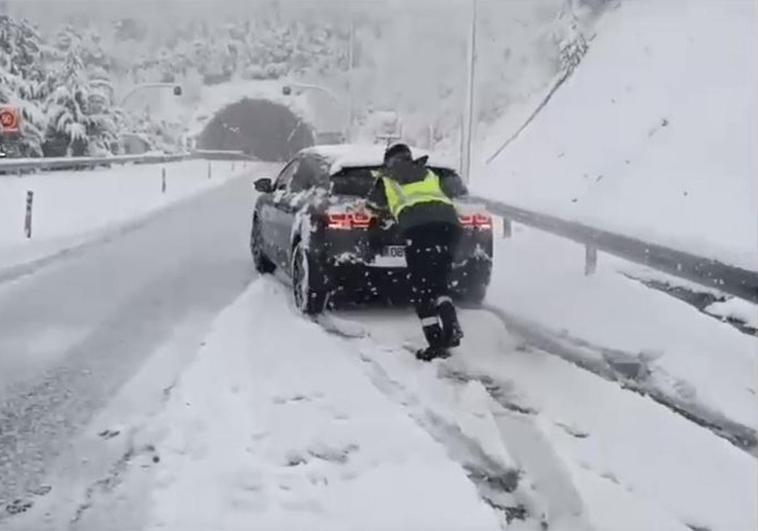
[[261, 128]]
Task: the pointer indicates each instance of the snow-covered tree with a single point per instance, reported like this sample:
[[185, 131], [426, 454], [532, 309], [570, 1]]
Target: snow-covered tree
[[82, 119], [21, 79]]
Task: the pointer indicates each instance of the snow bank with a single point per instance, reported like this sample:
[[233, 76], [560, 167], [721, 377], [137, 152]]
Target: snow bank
[[737, 309], [665, 466], [654, 135], [275, 427], [73, 207], [692, 356]]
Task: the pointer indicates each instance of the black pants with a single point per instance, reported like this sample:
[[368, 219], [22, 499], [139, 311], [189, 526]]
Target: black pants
[[429, 255]]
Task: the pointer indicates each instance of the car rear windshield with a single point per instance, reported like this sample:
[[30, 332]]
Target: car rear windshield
[[357, 182]]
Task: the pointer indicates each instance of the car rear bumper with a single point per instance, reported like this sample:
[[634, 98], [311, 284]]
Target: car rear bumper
[[357, 266], [359, 282], [350, 247]]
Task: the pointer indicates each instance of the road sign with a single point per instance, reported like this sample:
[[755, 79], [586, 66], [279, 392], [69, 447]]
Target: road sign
[[10, 120]]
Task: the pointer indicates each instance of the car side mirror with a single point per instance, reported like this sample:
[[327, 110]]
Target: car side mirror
[[264, 186]]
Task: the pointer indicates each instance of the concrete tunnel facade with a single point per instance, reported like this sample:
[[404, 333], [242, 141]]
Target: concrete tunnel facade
[[261, 128]]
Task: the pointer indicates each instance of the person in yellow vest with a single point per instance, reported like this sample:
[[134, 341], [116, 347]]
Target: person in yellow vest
[[418, 200]]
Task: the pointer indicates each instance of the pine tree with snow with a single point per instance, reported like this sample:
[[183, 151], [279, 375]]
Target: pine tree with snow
[[82, 119], [79, 109], [21, 79], [65, 107]]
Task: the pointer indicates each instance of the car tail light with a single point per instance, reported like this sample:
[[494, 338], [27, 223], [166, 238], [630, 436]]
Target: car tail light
[[477, 221], [348, 220]]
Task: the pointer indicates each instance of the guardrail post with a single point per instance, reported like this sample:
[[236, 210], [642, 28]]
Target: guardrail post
[[507, 228], [28, 217], [590, 259], [163, 180]]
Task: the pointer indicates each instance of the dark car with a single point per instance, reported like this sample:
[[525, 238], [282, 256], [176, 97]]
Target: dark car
[[313, 223]]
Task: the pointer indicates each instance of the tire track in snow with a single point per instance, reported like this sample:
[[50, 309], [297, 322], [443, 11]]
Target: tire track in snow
[[525, 480], [495, 481]]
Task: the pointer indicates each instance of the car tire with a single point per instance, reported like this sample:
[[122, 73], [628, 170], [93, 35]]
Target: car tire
[[308, 299], [262, 263], [473, 282]]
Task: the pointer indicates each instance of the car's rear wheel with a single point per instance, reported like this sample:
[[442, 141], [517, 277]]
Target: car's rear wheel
[[472, 283], [473, 294], [262, 263], [309, 299]]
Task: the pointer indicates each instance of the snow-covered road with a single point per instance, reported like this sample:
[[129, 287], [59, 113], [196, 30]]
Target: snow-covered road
[[282, 423], [74, 332], [129, 400]]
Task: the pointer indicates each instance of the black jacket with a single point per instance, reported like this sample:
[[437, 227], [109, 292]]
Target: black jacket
[[418, 214]]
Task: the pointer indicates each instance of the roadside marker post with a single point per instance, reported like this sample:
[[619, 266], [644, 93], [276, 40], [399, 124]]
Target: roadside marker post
[[507, 228], [163, 180], [210, 170], [28, 217], [590, 260]]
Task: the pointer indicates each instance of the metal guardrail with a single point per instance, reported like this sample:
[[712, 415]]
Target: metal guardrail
[[217, 154], [733, 280], [18, 166], [14, 166]]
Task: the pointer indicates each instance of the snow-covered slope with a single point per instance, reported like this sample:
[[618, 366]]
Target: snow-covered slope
[[654, 135]]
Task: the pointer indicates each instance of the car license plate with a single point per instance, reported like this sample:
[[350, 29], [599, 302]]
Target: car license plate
[[394, 251], [392, 256]]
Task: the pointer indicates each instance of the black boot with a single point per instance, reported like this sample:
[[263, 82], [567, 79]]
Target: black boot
[[451, 328], [435, 337], [432, 353]]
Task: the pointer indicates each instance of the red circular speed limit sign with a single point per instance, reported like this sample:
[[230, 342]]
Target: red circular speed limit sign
[[10, 120]]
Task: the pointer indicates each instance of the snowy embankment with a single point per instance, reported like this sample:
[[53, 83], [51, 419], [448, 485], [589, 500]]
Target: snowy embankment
[[665, 345], [282, 424], [653, 135], [72, 208]]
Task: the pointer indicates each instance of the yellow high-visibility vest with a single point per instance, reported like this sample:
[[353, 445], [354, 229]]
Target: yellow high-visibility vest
[[401, 196]]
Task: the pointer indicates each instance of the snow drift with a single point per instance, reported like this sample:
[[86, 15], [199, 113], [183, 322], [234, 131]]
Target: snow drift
[[654, 135]]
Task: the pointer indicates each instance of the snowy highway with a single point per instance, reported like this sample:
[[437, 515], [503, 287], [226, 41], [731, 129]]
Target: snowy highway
[[73, 333], [152, 377]]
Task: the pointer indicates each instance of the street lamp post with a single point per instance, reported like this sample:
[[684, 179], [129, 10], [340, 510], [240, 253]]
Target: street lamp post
[[350, 66], [468, 117]]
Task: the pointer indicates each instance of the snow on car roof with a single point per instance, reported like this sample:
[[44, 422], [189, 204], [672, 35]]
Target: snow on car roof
[[342, 156]]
